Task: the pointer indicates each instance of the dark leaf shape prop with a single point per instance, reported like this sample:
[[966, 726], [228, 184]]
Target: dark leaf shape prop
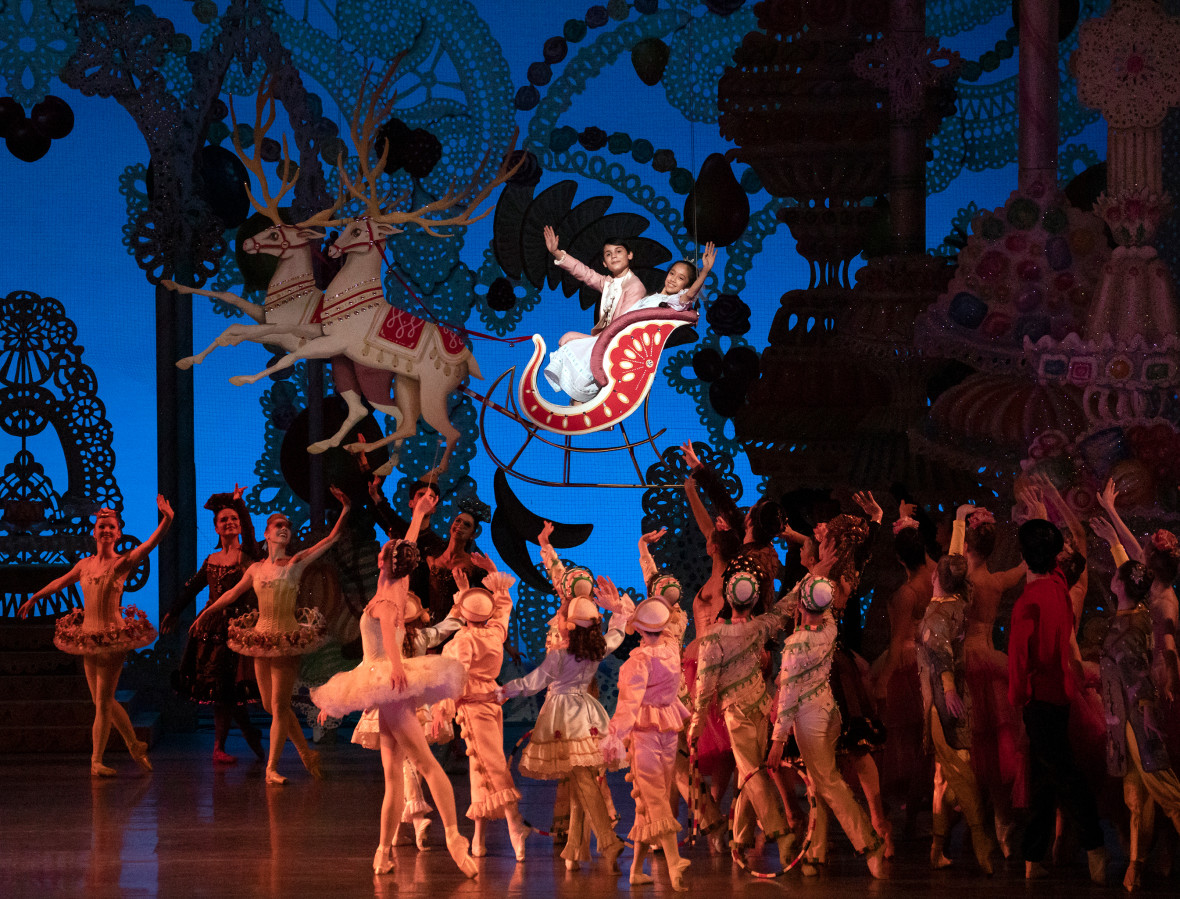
[[716, 209], [514, 525], [650, 57]]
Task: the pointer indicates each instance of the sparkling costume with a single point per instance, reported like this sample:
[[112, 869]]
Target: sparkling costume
[[807, 706], [277, 629]]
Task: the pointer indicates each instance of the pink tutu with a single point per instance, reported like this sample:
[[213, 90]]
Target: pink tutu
[[310, 634], [998, 746], [712, 746], [428, 680], [133, 632]]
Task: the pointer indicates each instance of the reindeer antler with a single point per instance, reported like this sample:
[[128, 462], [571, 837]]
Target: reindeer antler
[[451, 199], [287, 174], [363, 130]]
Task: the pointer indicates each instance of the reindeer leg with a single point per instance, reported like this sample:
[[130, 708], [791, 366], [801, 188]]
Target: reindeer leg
[[434, 410], [320, 348], [356, 412], [405, 415]]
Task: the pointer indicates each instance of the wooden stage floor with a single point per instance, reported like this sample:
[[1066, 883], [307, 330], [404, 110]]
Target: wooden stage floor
[[192, 830]]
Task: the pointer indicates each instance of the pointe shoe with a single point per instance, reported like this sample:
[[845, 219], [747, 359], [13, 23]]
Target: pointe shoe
[[876, 863], [1097, 861], [1131, 881], [457, 846], [572, 865], [611, 854], [273, 777], [676, 875], [383, 861], [311, 761], [886, 834], [98, 769], [639, 878], [221, 757], [138, 752], [401, 835], [809, 869], [518, 840], [421, 829], [1035, 871]]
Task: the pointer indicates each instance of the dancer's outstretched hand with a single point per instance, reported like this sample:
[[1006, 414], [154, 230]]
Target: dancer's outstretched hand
[[653, 536], [954, 705], [482, 561], [775, 759], [690, 455]]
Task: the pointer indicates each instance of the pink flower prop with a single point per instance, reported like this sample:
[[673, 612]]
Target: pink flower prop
[[902, 523], [1165, 541], [980, 517]]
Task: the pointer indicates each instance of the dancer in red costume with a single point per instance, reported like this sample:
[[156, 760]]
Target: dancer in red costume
[[277, 635]]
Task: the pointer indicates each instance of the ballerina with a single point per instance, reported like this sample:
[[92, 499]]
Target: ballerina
[[103, 632], [277, 635], [393, 689], [565, 742]]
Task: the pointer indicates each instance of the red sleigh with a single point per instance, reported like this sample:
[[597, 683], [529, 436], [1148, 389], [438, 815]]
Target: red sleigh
[[625, 362]]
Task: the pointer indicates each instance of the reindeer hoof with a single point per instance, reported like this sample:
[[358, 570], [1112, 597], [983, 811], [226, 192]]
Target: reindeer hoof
[[319, 447], [387, 469], [358, 447], [186, 363], [239, 380]]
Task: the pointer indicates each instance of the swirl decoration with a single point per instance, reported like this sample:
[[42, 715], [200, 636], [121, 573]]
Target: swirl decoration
[[45, 384]]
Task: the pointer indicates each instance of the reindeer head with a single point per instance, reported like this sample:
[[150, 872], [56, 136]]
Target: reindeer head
[[362, 235], [279, 240]]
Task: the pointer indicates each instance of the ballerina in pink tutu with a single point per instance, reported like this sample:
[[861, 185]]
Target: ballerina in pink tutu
[[278, 635], [103, 632], [395, 687]]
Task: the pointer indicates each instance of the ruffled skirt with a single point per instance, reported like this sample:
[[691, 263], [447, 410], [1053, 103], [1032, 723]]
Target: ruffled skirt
[[568, 734], [133, 632], [309, 635], [428, 679], [367, 732]]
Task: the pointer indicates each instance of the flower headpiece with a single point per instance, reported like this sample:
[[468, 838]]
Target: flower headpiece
[[475, 507], [902, 523], [980, 517], [1165, 541]]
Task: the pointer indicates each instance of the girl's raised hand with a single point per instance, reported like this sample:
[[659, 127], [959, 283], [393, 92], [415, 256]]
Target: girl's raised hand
[[551, 241], [708, 256]]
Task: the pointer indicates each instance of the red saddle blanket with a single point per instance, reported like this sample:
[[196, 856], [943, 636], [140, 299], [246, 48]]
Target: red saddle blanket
[[405, 330]]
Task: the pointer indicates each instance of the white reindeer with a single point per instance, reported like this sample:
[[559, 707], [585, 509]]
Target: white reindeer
[[426, 363]]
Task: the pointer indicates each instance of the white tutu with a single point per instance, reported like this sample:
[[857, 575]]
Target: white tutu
[[428, 679]]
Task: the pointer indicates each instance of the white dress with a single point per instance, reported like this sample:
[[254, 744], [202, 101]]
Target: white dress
[[571, 724], [569, 366], [428, 679]]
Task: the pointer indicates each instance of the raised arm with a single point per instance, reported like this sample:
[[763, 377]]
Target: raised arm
[[711, 484], [304, 557], [708, 257], [646, 563], [249, 539], [1106, 499], [227, 598], [553, 565], [1053, 497], [700, 514], [132, 559], [70, 577]]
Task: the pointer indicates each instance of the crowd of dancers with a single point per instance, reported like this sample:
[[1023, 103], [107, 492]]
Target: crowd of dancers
[[766, 704]]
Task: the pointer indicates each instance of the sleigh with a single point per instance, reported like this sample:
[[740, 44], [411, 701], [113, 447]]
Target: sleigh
[[625, 362]]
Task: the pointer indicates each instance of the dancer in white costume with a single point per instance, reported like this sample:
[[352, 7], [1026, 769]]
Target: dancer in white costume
[[396, 687]]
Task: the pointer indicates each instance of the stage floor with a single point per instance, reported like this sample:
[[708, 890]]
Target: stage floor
[[190, 829]]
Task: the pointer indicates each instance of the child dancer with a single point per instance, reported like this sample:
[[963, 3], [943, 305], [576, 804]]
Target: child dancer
[[103, 632], [621, 289], [276, 636], [806, 705], [394, 689], [566, 739], [647, 720], [479, 647]]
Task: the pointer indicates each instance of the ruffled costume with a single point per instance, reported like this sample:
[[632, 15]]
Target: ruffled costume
[[277, 628], [571, 724], [101, 627], [479, 648]]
